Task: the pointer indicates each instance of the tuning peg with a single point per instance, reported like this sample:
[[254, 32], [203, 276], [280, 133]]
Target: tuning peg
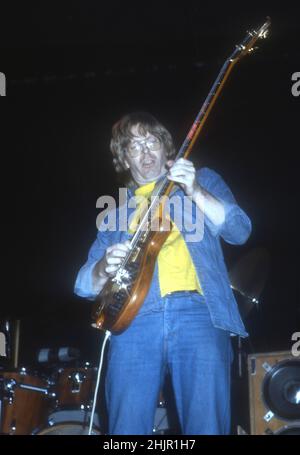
[[264, 34], [240, 47], [252, 49]]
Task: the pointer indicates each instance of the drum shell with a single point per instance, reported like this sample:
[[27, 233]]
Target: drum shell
[[67, 428], [23, 410], [75, 387], [70, 421]]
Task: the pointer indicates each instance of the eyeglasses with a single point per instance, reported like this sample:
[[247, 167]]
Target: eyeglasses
[[136, 147]]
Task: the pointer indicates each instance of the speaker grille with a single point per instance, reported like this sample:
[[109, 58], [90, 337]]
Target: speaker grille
[[281, 390], [274, 393]]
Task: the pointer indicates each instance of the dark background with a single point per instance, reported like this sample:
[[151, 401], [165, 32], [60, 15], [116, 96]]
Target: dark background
[[73, 68]]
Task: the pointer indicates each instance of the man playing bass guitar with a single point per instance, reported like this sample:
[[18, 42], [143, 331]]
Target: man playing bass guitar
[[185, 324]]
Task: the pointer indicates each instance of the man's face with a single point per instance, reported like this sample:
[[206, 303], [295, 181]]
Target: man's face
[[145, 157]]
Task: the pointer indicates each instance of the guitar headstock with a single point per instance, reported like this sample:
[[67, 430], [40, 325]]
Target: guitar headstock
[[247, 45]]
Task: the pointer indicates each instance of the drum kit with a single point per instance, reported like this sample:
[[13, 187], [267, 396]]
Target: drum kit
[[58, 404], [53, 398]]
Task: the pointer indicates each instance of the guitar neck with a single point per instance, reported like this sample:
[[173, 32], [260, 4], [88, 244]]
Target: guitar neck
[[188, 143]]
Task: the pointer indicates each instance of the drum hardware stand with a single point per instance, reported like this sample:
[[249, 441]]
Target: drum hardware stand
[[7, 353], [33, 388], [1, 405], [107, 336], [10, 385], [16, 344]]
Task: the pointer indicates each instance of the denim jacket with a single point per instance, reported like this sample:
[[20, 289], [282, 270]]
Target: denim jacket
[[206, 253]]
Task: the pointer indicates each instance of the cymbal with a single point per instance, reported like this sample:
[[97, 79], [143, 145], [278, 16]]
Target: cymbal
[[248, 278]]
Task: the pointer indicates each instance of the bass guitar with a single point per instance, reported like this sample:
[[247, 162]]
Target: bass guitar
[[122, 296]]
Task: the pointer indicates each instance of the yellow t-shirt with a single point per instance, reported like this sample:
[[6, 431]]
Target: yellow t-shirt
[[176, 271]]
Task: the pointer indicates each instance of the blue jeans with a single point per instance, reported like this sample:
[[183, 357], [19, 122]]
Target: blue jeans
[[181, 340]]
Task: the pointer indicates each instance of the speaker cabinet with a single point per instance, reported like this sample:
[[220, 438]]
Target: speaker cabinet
[[274, 393]]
